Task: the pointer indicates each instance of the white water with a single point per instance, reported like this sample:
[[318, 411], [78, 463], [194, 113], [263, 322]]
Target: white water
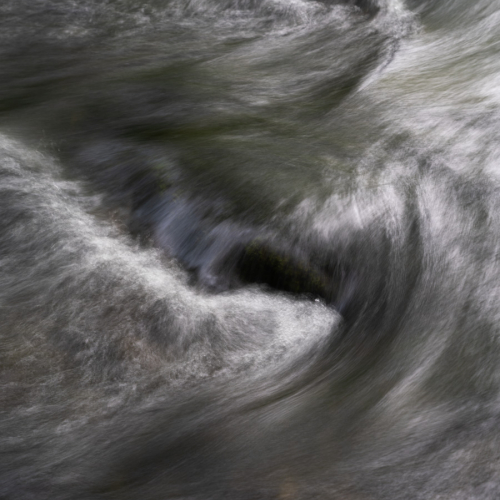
[[249, 250]]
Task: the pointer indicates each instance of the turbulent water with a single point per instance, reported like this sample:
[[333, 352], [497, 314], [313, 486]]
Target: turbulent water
[[249, 249]]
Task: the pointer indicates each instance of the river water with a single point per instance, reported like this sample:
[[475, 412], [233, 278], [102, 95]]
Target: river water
[[249, 249]]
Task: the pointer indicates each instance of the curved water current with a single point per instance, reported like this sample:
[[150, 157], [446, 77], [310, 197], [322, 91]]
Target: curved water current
[[249, 249]]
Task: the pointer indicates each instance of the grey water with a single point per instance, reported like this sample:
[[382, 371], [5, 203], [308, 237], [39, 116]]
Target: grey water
[[249, 249]]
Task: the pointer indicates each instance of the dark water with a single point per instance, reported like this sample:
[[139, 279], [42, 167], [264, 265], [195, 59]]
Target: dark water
[[249, 249]]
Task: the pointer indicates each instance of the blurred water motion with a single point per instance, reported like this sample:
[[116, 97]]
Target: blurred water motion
[[249, 249]]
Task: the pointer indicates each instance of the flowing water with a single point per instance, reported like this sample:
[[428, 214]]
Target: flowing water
[[249, 249]]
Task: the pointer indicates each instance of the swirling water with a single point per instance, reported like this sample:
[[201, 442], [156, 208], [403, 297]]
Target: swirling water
[[249, 249]]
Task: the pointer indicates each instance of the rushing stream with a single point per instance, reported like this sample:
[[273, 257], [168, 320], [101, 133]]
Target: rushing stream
[[249, 249]]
